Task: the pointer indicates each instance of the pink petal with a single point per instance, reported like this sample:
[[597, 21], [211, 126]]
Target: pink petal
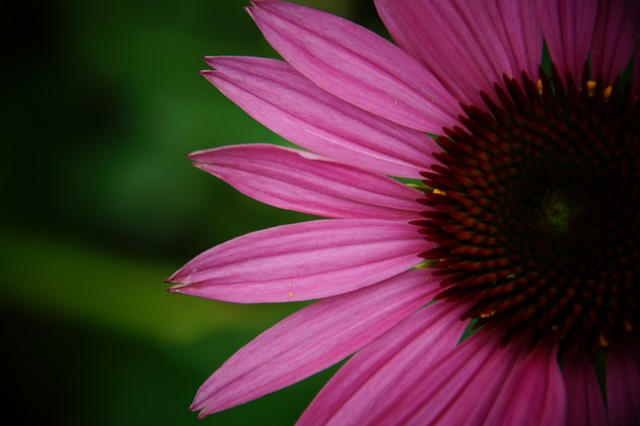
[[534, 393], [282, 99], [313, 339], [303, 261], [412, 380], [507, 385], [522, 36], [379, 374], [304, 182], [616, 37], [356, 65], [568, 27], [623, 382], [468, 45], [584, 397]]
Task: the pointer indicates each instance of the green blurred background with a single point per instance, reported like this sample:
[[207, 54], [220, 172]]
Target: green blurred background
[[102, 100]]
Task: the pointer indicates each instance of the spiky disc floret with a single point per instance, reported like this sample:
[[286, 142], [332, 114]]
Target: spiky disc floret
[[534, 221]]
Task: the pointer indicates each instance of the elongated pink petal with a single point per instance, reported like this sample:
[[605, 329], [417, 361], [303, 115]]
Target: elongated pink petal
[[303, 261], [522, 36], [403, 379], [568, 28], [468, 46], [506, 384], [304, 182], [356, 65], [585, 404], [616, 37], [313, 339], [623, 382], [534, 394], [378, 375], [291, 105]]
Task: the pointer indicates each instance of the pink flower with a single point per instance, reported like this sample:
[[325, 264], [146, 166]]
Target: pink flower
[[523, 218]]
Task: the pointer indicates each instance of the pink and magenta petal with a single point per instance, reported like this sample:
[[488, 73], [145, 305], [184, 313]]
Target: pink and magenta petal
[[534, 393], [303, 261], [615, 39], [508, 385], [585, 404], [568, 28], [291, 105], [373, 381], [356, 65], [313, 339], [521, 34], [467, 45], [623, 382], [405, 377], [302, 181]]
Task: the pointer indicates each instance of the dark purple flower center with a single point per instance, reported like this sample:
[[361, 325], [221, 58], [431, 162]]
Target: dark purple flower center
[[534, 220]]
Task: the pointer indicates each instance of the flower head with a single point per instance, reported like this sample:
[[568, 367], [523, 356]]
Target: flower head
[[521, 224]]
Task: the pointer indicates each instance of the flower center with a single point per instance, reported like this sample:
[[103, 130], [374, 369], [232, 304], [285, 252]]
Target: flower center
[[534, 218]]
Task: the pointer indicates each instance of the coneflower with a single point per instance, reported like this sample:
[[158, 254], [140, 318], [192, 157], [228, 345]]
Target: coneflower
[[521, 224]]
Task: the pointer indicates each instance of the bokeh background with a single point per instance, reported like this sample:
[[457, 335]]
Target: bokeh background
[[101, 102]]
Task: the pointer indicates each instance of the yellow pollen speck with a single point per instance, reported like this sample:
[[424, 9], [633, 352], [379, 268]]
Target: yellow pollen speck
[[439, 192], [607, 92], [591, 86], [290, 294], [540, 86], [603, 342], [488, 314]]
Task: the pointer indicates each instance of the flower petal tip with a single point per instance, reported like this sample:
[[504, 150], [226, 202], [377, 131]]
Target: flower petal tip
[[178, 288], [202, 411], [207, 58], [202, 165], [197, 405], [178, 277], [198, 156], [210, 75], [201, 405], [211, 60], [258, 4]]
